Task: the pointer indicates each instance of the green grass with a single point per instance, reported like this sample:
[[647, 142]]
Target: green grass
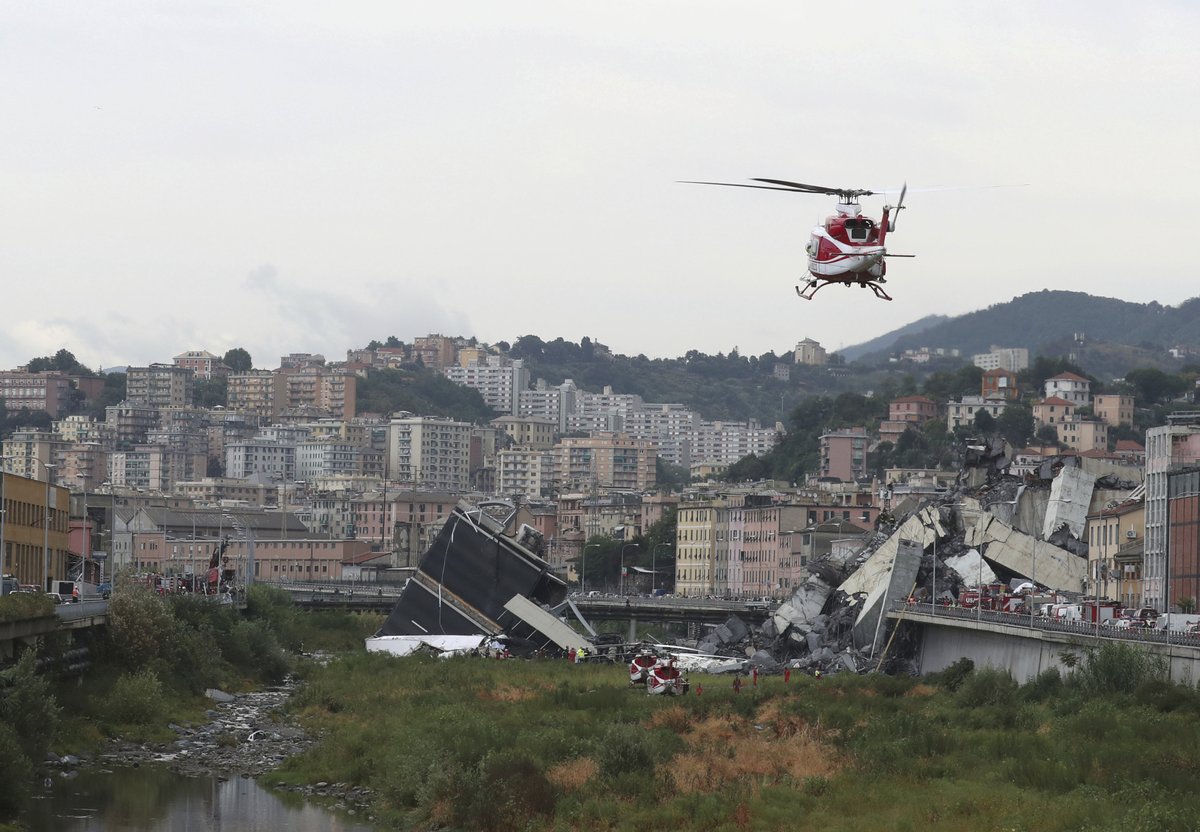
[[558, 746]]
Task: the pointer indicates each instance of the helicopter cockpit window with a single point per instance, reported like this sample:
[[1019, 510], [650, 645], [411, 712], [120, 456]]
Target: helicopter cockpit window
[[858, 230]]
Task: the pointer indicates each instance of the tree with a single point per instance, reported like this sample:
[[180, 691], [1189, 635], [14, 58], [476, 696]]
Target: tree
[[746, 469], [1153, 386], [1015, 424], [238, 360], [984, 421], [210, 392]]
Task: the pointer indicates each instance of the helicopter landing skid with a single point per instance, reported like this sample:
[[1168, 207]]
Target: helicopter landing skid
[[814, 286]]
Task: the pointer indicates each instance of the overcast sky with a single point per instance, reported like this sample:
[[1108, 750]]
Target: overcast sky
[[306, 176]]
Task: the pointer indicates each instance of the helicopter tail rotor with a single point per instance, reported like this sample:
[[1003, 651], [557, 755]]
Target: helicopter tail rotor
[[899, 207]]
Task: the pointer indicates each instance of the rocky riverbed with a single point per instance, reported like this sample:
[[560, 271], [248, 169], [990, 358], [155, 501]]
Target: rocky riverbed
[[246, 735]]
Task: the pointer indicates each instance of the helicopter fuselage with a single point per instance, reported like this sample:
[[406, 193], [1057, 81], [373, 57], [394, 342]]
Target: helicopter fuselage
[[848, 247]]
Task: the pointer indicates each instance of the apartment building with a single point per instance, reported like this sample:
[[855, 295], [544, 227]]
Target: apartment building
[[327, 458], [203, 364], [498, 380], [28, 452], [48, 392], [1116, 548], [257, 392], [963, 411], [698, 570], [607, 460], [1083, 434], [843, 454], [528, 472], [550, 403], [999, 383], [1114, 409], [28, 504], [1053, 410], [262, 459], [1011, 359], [436, 352], [159, 385], [327, 391], [529, 432], [1071, 387], [430, 453], [1169, 448]]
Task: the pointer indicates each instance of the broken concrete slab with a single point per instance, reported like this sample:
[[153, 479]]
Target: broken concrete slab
[[803, 607], [972, 568], [895, 563], [889, 591], [1070, 499], [1027, 556]]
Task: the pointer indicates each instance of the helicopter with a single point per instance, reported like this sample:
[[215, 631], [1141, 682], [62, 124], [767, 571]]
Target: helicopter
[[849, 248]]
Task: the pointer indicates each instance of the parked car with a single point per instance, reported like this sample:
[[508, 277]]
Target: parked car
[[56, 598], [105, 590]]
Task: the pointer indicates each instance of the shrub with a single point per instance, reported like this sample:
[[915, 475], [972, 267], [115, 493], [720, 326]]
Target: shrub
[[988, 686], [253, 649], [626, 748], [138, 623], [18, 606], [136, 699], [1118, 668], [953, 676], [16, 772], [29, 709]]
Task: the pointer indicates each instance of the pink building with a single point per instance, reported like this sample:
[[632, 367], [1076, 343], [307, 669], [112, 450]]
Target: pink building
[[844, 454], [912, 409]]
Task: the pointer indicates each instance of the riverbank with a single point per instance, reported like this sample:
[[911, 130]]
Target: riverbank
[[245, 735], [481, 744]]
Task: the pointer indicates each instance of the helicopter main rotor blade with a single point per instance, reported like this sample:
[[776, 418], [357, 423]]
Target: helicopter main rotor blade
[[818, 189], [758, 187]]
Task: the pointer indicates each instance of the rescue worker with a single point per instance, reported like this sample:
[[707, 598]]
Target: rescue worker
[[75, 594]]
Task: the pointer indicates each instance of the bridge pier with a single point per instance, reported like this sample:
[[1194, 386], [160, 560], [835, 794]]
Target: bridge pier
[[631, 637]]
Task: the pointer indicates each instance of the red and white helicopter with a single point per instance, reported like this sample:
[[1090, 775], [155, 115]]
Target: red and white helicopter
[[848, 248]]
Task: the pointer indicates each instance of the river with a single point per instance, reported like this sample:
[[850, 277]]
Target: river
[[151, 798]]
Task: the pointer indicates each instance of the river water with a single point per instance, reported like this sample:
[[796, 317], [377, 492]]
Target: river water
[[153, 799]]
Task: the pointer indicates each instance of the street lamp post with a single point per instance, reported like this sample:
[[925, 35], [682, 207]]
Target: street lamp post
[[583, 567], [46, 530], [654, 565], [622, 576]]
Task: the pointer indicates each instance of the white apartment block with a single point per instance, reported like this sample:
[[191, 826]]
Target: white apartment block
[[724, 443], [552, 403], [524, 471], [1002, 358], [499, 381], [963, 412], [153, 468], [430, 453], [327, 458], [1071, 387], [261, 459]]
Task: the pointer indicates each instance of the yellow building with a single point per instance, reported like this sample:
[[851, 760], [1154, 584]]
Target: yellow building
[[25, 536]]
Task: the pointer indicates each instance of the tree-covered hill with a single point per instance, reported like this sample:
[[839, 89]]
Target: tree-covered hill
[[420, 391], [1105, 336]]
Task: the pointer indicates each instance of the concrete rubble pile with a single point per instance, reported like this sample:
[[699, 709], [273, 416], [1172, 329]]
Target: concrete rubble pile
[[990, 527]]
